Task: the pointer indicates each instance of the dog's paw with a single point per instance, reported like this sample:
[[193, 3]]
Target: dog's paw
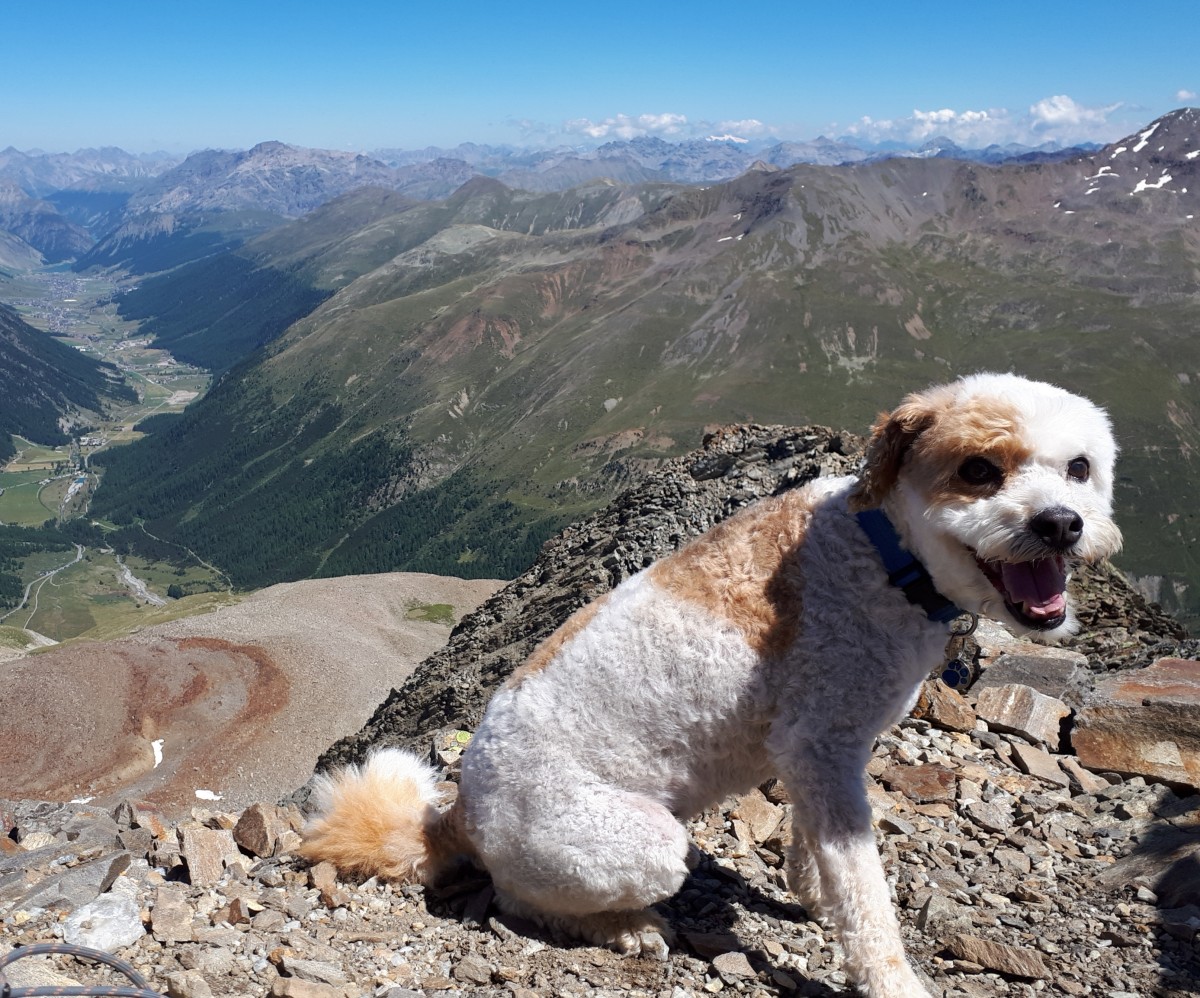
[[641, 933], [646, 943]]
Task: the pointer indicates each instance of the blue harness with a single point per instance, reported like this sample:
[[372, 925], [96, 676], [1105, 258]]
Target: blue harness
[[905, 572]]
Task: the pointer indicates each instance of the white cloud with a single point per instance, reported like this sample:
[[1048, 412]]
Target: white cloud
[[1061, 110], [1185, 95], [966, 128], [750, 128], [1058, 118], [624, 126]]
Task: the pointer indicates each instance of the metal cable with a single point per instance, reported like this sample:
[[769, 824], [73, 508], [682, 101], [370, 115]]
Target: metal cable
[[140, 988]]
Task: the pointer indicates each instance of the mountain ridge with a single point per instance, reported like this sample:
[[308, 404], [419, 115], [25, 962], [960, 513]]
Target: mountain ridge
[[115, 195]]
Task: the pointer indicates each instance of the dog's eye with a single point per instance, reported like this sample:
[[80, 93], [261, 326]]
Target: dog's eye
[[1079, 469], [980, 471]]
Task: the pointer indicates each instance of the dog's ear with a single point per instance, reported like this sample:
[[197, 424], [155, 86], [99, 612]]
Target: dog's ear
[[891, 437]]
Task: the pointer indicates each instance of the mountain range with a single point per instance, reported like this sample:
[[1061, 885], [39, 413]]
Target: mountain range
[[106, 207], [457, 378]]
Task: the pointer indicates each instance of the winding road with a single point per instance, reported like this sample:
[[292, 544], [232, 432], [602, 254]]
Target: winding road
[[36, 586]]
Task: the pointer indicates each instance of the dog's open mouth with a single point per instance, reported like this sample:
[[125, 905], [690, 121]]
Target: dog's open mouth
[[1035, 592]]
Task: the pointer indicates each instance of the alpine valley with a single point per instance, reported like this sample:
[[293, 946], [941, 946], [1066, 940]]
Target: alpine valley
[[434, 362]]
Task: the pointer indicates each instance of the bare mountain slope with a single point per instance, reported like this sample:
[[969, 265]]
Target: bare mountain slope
[[238, 702]]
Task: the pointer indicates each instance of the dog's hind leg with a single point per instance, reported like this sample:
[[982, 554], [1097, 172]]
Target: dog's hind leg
[[833, 822], [587, 860]]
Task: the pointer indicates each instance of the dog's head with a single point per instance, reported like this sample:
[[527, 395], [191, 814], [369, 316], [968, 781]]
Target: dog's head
[[1000, 486]]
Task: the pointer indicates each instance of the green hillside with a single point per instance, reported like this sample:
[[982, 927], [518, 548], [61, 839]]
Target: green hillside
[[42, 379], [494, 364]]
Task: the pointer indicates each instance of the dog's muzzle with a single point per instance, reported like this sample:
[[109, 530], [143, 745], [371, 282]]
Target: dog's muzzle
[[1035, 591]]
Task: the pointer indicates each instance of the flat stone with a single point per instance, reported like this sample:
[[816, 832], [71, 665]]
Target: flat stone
[[1081, 780], [187, 984], [923, 784], [1144, 723], [1039, 764], [989, 816], [473, 969], [293, 987], [999, 957], [269, 920], [314, 971], [760, 815], [733, 967], [171, 916], [322, 876], [36, 972], [1024, 711], [710, 944], [940, 915], [206, 851], [1012, 861], [1056, 672], [943, 707], [79, 885]]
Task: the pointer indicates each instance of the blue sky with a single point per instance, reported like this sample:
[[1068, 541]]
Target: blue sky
[[180, 75]]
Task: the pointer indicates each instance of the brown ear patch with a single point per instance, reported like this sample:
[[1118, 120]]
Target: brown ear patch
[[891, 438]]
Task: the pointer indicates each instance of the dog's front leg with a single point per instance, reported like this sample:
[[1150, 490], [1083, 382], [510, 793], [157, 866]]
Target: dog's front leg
[[832, 824]]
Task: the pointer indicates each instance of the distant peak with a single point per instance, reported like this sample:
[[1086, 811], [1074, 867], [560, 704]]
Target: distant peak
[[273, 146]]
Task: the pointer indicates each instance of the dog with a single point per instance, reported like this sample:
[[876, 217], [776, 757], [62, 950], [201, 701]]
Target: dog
[[779, 643]]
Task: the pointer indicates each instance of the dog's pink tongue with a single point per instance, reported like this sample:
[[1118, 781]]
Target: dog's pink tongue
[[1038, 585]]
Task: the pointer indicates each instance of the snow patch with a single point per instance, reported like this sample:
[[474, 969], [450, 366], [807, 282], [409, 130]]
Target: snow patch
[[208, 795], [157, 745], [1145, 137], [1146, 185]]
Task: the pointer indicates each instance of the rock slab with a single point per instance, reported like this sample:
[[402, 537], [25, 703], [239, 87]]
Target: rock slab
[[1144, 723]]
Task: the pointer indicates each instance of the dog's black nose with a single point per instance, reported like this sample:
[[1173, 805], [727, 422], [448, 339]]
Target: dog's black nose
[[1058, 527]]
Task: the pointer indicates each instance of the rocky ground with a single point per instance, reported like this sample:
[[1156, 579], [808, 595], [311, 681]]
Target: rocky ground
[[1041, 832], [1008, 882]]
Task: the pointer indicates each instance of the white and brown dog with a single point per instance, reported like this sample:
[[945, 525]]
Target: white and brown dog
[[746, 655]]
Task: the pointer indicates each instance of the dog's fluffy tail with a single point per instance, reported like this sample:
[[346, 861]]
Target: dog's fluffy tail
[[379, 819]]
